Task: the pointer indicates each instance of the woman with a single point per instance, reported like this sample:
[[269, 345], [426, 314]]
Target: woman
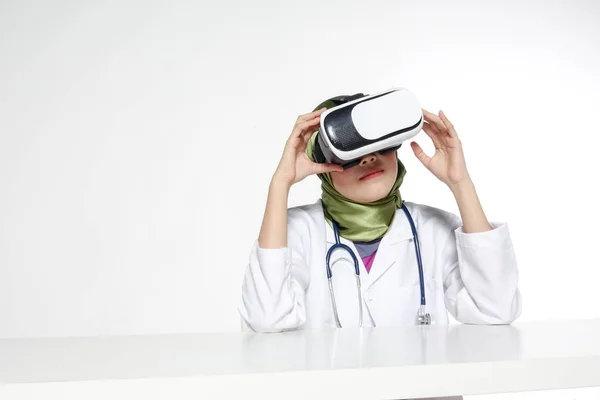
[[469, 266]]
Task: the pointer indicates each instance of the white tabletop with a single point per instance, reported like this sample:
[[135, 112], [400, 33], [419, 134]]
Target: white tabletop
[[350, 363]]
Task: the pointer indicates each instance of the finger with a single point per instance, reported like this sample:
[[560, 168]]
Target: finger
[[302, 133], [432, 126], [306, 127], [306, 136], [324, 168], [430, 117], [420, 154], [451, 130], [309, 130], [433, 133], [305, 117]]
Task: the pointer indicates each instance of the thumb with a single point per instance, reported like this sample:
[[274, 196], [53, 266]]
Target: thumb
[[323, 168], [420, 154]]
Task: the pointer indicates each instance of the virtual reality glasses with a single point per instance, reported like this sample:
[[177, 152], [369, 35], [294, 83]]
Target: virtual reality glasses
[[362, 124]]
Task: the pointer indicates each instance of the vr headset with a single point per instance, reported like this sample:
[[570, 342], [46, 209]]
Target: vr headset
[[362, 124]]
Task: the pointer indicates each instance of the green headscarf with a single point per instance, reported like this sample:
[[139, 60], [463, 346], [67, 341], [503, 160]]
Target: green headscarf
[[363, 222]]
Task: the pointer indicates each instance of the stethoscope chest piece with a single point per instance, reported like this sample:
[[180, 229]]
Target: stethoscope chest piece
[[423, 318]]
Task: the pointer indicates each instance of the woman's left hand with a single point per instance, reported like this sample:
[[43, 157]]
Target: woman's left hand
[[448, 163]]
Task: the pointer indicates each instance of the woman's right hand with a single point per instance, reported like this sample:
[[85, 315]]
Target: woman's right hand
[[295, 164]]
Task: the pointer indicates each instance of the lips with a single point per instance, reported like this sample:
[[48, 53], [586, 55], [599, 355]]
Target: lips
[[371, 174]]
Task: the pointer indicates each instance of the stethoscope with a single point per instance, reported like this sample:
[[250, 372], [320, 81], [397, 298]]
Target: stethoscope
[[423, 317]]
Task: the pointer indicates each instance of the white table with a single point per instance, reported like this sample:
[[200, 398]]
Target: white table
[[390, 363]]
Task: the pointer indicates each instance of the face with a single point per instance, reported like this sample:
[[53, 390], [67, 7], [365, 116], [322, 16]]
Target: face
[[369, 181]]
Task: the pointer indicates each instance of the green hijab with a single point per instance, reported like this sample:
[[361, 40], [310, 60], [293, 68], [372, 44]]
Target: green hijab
[[362, 222]]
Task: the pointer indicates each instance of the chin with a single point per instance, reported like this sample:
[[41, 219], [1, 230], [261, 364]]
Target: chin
[[376, 193], [373, 196], [369, 191]]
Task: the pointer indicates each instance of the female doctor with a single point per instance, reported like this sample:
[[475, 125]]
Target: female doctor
[[405, 263]]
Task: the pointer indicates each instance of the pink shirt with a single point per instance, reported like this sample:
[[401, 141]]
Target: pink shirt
[[367, 251], [368, 261]]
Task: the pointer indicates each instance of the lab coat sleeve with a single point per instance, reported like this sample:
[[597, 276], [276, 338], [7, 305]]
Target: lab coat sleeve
[[481, 275], [275, 282]]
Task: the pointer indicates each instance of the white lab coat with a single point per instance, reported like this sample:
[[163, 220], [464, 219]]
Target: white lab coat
[[473, 276]]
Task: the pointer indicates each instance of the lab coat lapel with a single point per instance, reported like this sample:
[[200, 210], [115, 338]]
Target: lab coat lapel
[[387, 252]]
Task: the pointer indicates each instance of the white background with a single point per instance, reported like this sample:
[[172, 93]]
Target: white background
[[137, 141]]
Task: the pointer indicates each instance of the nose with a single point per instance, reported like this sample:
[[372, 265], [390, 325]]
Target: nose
[[368, 159]]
